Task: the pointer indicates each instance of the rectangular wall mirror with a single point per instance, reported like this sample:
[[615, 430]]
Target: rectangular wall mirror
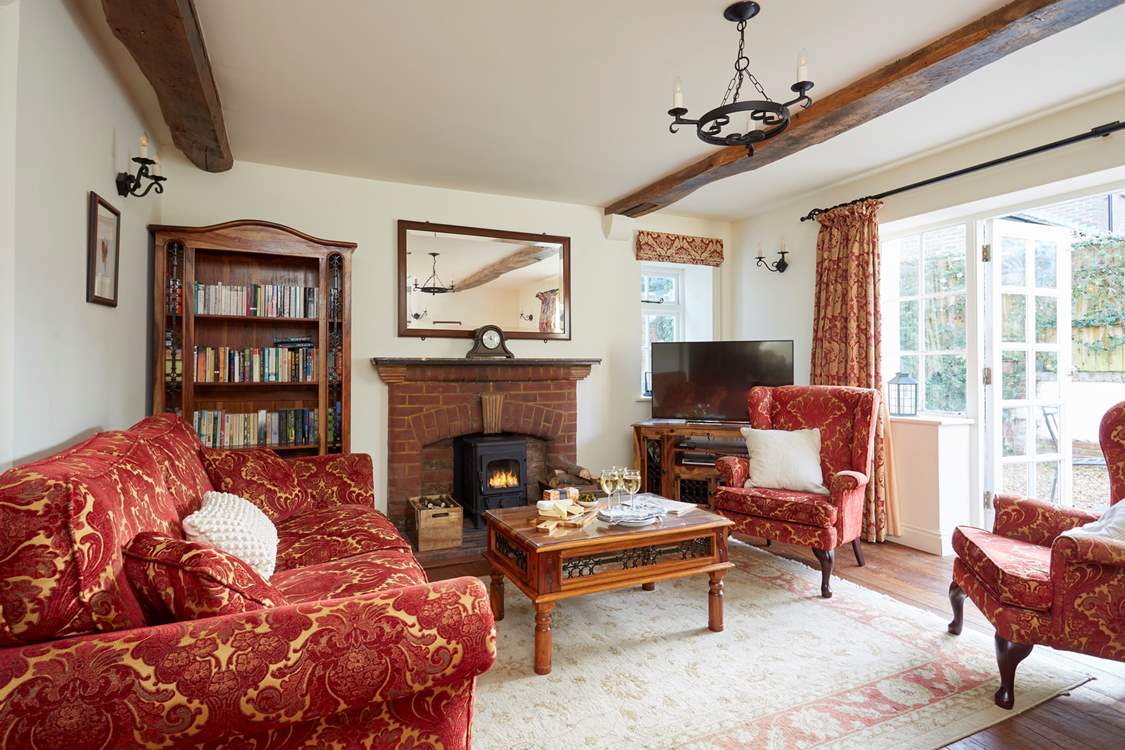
[[453, 280]]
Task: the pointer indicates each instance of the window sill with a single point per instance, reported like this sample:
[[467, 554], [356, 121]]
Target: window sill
[[644, 399], [935, 419]]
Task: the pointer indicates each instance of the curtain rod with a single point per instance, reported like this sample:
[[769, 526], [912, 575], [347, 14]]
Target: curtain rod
[[1101, 131]]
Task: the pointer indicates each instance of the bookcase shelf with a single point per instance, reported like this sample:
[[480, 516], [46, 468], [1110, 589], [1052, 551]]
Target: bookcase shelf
[[265, 266]]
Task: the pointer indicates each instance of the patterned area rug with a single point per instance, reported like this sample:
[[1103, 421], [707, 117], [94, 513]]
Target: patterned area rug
[[638, 669]]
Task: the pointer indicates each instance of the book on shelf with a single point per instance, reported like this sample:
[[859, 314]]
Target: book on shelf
[[256, 300], [276, 364], [258, 429]]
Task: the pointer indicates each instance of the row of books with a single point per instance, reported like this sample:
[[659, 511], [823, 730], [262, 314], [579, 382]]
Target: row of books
[[334, 426], [222, 429], [256, 300], [271, 364]]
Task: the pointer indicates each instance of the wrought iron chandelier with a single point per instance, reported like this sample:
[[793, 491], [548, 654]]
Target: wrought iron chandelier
[[764, 118], [434, 284]]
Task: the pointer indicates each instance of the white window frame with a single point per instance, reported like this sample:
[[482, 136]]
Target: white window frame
[[891, 300], [676, 310]]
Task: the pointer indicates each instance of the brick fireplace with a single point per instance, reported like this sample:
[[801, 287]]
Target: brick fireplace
[[432, 402]]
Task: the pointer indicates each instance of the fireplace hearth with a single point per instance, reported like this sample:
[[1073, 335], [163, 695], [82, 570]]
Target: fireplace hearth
[[489, 471]]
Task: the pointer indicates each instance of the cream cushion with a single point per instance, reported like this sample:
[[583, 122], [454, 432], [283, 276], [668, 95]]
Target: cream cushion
[[236, 526], [785, 460]]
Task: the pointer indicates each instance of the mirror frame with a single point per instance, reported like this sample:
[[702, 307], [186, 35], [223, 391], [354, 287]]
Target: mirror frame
[[444, 333]]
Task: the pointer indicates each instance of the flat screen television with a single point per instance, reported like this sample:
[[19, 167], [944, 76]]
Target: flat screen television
[[710, 380]]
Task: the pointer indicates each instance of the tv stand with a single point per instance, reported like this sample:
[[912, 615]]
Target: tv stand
[[677, 457]]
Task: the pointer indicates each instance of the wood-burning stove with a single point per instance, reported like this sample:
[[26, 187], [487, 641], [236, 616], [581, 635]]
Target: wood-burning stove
[[489, 471]]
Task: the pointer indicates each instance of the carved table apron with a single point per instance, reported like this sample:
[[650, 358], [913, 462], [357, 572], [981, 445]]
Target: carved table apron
[[572, 562]]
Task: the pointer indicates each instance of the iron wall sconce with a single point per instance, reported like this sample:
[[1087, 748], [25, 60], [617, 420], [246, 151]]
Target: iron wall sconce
[[128, 184], [529, 317], [779, 265]]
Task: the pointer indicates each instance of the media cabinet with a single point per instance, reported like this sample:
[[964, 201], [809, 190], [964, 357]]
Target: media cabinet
[[676, 456]]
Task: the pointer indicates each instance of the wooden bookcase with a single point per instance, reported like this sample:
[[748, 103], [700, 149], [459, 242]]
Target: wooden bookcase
[[245, 253]]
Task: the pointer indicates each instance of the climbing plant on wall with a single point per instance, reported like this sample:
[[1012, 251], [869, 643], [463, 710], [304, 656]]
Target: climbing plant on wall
[[1098, 311]]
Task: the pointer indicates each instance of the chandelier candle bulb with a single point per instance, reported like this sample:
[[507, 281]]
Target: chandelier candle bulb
[[803, 66], [678, 94], [144, 146]]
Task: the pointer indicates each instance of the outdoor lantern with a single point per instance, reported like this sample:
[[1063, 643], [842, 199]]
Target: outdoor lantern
[[902, 395]]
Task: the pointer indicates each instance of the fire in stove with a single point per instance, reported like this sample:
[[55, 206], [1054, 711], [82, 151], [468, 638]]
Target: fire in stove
[[502, 479]]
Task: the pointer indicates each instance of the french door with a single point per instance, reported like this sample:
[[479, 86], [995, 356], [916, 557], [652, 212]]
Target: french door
[[1027, 349]]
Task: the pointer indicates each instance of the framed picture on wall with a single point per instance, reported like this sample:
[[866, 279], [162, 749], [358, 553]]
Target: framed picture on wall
[[103, 241]]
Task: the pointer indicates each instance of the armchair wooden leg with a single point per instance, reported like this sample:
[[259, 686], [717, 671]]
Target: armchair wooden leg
[[1008, 657], [827, 560], [858, 550], [957, 601]]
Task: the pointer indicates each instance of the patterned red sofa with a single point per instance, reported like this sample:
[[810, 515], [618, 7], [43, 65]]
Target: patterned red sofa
[[846, 420], [1037, 587], [366, 653]]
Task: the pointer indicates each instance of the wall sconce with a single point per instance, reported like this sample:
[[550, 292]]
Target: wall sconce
[[529, 317], [128, 184], [779, 265]]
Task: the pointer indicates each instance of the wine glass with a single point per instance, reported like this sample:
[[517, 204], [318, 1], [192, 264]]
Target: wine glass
[[631, 480], [608, 480]]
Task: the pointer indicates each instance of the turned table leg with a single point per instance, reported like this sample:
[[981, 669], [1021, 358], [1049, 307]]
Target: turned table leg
[[715, 601], [543, 637], [496, 595]]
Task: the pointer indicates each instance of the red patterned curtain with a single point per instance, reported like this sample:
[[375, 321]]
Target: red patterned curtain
[[679, 248], [845, 348], [548, 311]]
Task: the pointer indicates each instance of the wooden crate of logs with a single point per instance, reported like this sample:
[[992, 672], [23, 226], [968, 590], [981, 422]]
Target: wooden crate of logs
[[435, 523]]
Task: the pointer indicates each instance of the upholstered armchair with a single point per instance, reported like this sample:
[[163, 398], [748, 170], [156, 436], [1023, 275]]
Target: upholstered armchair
[[846, 420], [1037, 587]]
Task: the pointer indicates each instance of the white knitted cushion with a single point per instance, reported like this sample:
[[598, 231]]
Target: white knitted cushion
[[236, 526]]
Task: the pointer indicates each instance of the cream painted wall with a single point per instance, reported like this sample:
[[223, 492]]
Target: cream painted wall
[[80, 367], [9, 64], [605, 279]]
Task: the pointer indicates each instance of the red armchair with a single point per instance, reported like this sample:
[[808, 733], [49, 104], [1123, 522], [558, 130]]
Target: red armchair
[[846, 420], [1037, 587]]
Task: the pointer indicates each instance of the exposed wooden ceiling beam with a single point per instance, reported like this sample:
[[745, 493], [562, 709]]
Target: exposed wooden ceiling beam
[[163, 36], [513, 261], [924, 71]]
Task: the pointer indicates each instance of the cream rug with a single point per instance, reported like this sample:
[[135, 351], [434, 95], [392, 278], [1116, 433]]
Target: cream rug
[[637, 669]]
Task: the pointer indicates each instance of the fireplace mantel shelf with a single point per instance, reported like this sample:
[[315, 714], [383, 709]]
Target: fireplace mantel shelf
[[465, 362], [460, 369]]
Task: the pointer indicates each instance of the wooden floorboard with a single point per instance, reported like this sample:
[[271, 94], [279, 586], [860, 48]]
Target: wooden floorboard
[[1091, 717]]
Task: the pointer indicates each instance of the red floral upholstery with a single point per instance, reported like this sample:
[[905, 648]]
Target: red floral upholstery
[[1037, 587], [846, 420], [259, 475], [373, 571], [334, 533], [336, 479], [1034, 521], [372, 656], [1015, 572], [782, 505], [180, 580], [281, 668], [1112, 436]]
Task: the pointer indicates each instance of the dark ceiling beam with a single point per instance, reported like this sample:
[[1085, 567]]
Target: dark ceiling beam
[[164, 38], [955, 55]]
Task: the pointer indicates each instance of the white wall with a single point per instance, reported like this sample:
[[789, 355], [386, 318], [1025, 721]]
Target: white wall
[[604, 280], [9, 64], [80, 367]]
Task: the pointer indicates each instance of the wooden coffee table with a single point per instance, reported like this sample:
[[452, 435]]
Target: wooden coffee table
[[573, 562]]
